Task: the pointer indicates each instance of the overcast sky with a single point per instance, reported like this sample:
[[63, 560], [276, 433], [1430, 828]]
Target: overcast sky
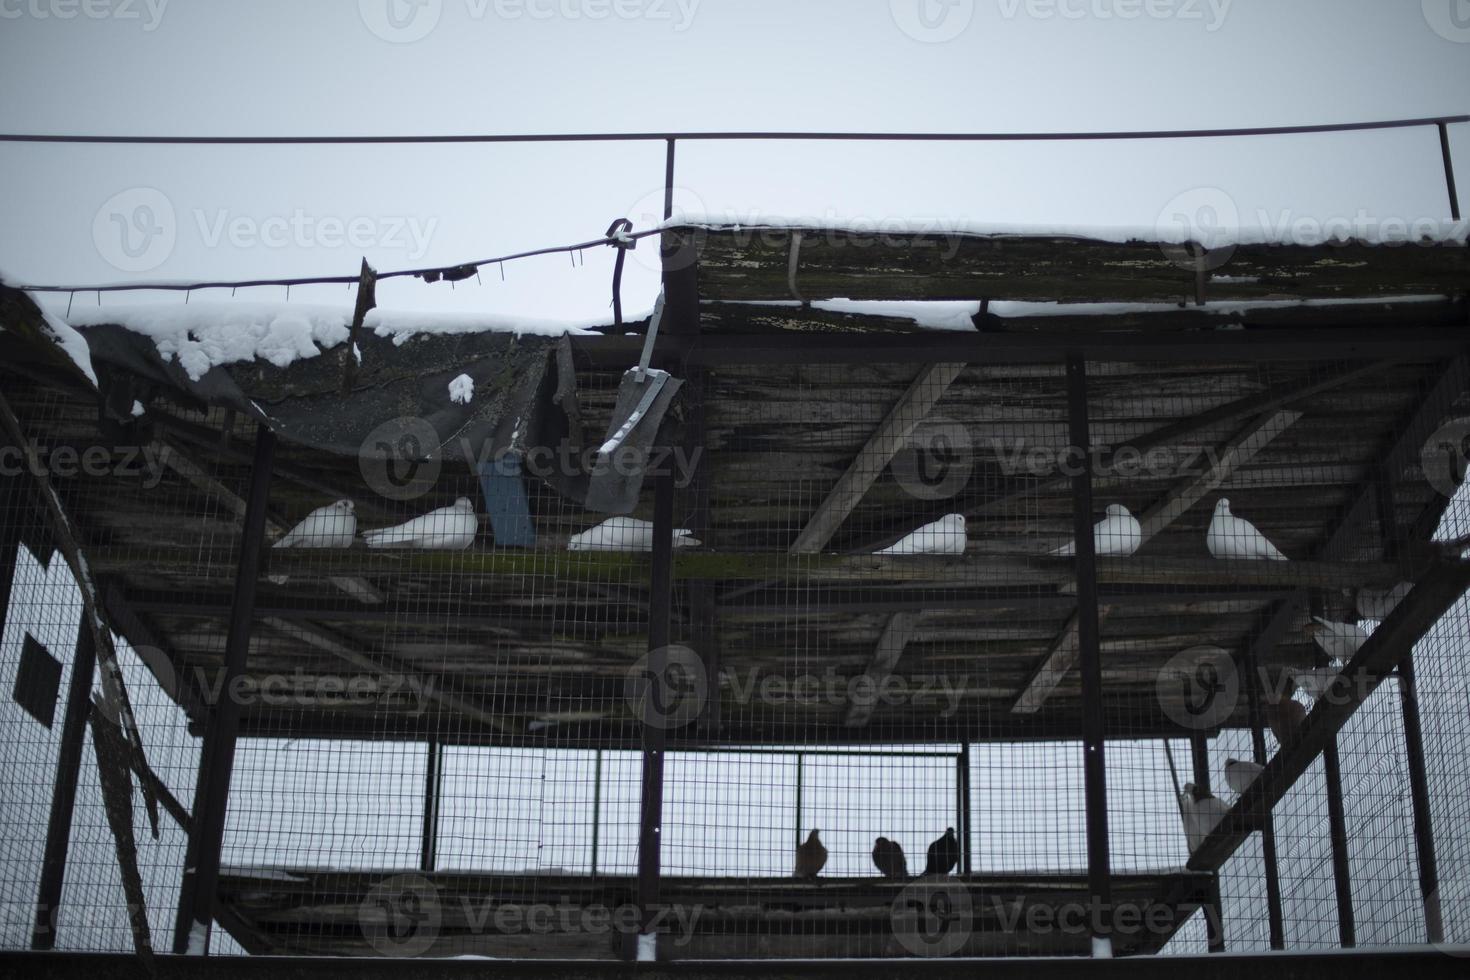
[[85, 214]]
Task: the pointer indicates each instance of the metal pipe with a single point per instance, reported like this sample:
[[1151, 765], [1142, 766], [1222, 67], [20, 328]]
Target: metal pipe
[[217, 752], [963, 804], [429, 839], [1419, 788], [734, 135], [1449, 169], [799, 777], [596, 809], [1337, 824], [1094, 764], [655, 735], [669, 178], [64, 788]]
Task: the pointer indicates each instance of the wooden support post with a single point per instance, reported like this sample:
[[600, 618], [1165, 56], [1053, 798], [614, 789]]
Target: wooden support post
[[64, 788], [655, 735], [1337, 823], [1251, 681], [217, 753], [1199, 747], [1094, 763], [1419, 791]]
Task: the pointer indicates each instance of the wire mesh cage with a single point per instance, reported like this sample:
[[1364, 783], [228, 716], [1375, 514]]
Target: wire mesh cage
[[895, 656]]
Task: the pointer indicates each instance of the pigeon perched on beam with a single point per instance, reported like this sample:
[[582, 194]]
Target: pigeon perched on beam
[[1201, 811], [1117, 535], [944, 854], [1338, 640], [1233, 537], [1285, 716], [945, 536], [626, 534], [332, 526], [1239, 774], [1378, 603], [889, 858], [811, 856], [451, 528]]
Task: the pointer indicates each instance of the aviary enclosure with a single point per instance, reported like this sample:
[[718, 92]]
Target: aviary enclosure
[[1118, 629]]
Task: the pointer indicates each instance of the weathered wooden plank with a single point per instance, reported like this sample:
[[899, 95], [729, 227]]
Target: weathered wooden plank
[[927, 389], [896, 635]]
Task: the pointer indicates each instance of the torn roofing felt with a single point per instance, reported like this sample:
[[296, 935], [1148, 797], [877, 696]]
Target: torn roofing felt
[[400, 410]]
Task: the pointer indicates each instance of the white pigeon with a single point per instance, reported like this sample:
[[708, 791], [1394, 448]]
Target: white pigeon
[[1240, 774], [626, 534], [1314, 682], [451, 528], [1116, 536], [1200, 815], [332, 526], [1378, 603], [1338, 640], [1231, 537], [945, 536]]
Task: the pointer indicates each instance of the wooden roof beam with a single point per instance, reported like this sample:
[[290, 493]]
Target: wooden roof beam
[[911, 409]]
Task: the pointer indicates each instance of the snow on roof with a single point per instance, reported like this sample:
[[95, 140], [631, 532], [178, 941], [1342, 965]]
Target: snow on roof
[[1361, 228], [66, 338], [206, 335]]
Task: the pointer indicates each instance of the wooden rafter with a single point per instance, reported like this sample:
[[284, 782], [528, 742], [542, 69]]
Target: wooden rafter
[[379, 663], [922, 395], [1165, 511], [895, 636]]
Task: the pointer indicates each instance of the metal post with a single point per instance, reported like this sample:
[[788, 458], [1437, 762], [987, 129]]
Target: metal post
[[1337, 822], [217, 753], [669, 179], [1252, 684], [799, 775], [655, 735], [596, 809], [429, 839], [1419, 788], [966, 859], [1449, 171], [64, 789], [1099, 876], [1199, 748]]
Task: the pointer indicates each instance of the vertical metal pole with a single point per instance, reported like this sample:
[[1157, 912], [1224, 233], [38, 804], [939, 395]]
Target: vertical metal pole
[[966, 859], [669, 179], [799, 776], [1252, 683], [64, 788], [1337, 823], [217, 753], [1449, 171], [429, 839], [655, 736], [1419, 788], [1199, 748], [596, 810], [1094, 764]]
